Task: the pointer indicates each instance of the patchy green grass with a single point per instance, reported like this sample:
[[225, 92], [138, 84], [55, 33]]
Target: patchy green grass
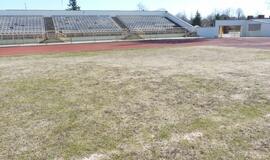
[[170, 103], [203, 124]]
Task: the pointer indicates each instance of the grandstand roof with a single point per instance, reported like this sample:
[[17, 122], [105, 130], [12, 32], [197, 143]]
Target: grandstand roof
[[83, 12]]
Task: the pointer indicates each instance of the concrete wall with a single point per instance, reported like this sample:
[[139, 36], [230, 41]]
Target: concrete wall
[[207, 32]]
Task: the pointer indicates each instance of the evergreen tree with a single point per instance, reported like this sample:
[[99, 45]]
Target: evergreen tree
[[197, 21], [218, 16], [73, 5]]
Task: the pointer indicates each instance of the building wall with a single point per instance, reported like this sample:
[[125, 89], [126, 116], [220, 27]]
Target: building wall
[[211, 32], [242, 23], [264, 32]]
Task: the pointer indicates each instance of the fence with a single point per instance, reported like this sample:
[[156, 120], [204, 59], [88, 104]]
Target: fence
[[7, 39], [13, 38]]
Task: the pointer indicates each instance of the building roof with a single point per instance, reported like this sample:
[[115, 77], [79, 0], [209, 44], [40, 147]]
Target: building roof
[[262, 20]]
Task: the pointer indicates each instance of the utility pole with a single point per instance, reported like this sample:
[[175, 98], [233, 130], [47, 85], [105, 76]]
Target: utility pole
[[25, 6], [62, 4]]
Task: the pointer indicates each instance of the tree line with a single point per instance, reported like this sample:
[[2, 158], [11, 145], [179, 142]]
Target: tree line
[[208, 21], [197, 20]]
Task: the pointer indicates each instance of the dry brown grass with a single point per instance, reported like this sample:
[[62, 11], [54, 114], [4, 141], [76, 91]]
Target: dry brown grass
[[170, 103]]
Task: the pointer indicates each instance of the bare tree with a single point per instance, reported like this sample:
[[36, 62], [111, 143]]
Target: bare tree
[[268, 3], [162, 9], [211, 19], [206, 23], [227, 12], [183, 16], [240, 14], [141, 6]]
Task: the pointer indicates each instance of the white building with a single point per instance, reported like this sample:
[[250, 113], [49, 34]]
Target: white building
[[243, 28]]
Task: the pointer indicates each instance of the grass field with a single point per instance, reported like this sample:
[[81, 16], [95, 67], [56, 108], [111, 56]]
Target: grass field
[[168, 103]]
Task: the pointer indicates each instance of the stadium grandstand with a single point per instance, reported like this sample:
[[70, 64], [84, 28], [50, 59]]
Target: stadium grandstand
[[44, 26]]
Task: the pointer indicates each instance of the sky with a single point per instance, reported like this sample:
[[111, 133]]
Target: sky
[[189, 7]]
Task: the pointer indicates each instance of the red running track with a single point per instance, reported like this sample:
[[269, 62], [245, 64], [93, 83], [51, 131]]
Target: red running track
[[263, 43]]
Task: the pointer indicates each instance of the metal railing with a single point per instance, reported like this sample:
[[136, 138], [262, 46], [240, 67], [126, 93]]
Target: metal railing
[[13, 38], [25, 38]]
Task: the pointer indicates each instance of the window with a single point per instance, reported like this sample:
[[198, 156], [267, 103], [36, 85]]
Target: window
[[254, 27]]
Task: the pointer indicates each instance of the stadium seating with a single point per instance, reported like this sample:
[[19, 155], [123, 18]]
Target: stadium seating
[[138, 23], [22, 25], [61, 26], [85, 24]]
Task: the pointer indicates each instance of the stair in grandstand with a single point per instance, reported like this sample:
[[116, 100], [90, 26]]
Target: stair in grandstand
[[173, 22], [177, 25], [51, 36], [129, 35], [120, 23], [49, 25]]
